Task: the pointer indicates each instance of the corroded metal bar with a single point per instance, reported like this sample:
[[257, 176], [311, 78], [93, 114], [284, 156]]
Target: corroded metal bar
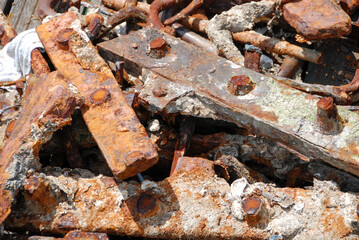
[[277, 46], [112, 122], [187, 205], [43, 113], [271, 109], [289, 67]]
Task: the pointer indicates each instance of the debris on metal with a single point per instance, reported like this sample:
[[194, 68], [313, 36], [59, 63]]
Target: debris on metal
[[169, 119]]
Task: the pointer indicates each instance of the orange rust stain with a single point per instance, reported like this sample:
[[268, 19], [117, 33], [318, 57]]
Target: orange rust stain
[[334, 223]]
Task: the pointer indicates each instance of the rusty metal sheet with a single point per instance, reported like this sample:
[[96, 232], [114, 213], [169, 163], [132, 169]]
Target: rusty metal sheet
[[47, 108], [271, 109], [112, 122], [188, 205]]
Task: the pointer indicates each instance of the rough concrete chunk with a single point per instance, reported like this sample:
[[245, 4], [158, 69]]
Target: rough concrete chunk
[[318, 19]]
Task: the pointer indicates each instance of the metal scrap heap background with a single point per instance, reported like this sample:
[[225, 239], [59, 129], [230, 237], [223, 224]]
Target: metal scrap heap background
[[178, 119]]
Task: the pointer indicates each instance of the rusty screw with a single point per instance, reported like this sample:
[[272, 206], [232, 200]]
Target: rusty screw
[[328, 119], [158, 48], [64, 36], [240, 85], [100, 96], [255, 211]]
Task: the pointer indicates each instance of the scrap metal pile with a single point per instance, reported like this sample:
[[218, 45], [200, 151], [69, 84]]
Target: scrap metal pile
[[169, 119]]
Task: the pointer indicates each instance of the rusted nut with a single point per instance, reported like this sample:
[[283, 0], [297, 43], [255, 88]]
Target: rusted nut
[[328, 120], [255, 211], [158, 48], [146, 203], [240, 85], [64, 36], [100, 96], [9, 129], [160, 91]]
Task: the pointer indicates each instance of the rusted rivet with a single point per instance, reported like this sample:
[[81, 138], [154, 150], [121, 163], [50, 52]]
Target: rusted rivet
[[100, 96], [64, 36], [254, 210], [9, 128], [328, 119], [158, 48], [135, 45], [160, 91], [240, 85], [146, 203]]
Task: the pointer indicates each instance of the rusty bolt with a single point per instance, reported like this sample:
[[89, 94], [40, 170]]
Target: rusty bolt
[[328, 119], [100, 96], [160, 91], [255, 211], [240, 85], [64, 36], [146, 203], [158, 48]]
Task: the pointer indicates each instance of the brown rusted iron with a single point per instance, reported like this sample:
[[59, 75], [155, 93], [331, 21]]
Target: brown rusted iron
[[158, 48], [100, 96], [240, 85], [349, 6], [43, 113], [95, 23], [328, 119], [264, 111], [252, 60], [184, 12], [255, 211], [9, 129], [277, 46], [64, 35], [121, 138], [289, 67], [308, 18], [344, 94], [72, 152], [186, 130], [194, 204], [7, 32], [38, 63]]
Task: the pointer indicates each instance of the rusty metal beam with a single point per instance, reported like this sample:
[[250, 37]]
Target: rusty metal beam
[[112, 122], [195, 204], [271, 109], [43, 112]]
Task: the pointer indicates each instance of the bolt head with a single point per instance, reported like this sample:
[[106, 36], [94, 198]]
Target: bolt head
[[100, 96], [64, 35], [251, 205], [240, 85], [158, 48]]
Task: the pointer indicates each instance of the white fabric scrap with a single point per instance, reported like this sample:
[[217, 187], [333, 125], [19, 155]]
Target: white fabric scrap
[[15, 57]]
